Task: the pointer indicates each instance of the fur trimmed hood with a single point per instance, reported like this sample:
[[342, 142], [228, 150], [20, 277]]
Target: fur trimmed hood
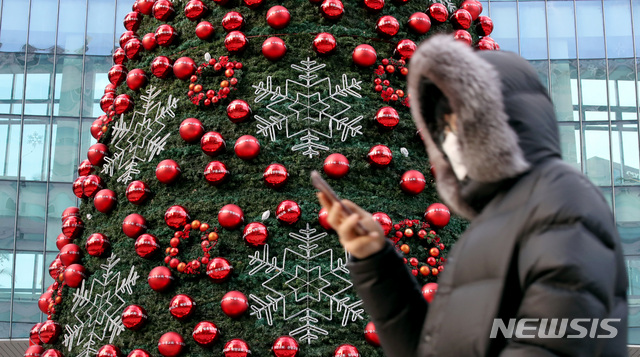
[[506, 122]]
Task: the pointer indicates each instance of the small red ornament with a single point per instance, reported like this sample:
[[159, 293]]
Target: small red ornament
[[364, 55], [139, 353], [181, 306], [380, 156], [274, 48], [69, 254], [126, 36], [191, 130], [149, 42], [74, 274], [216, 172], [336, 166], [91, 184], [77, 186], [487, 44], [72, 227], [212, 143], [205, 30], [219, 270], [70, 212], [255, 234], [61, 241], [132, 21], [85, 168], [52, 353], [278, 17], [138, 192], [236, 348], [247, 147], [275, 175], [235, 42], [34, 351], [96, 153], [346, 350], [50, 331], [122, 104], [387, 117], [96, 128], [437, 215], [252, 4], [184, 68], [136, 79], [464, 36], [429, 291], [165, 35], [205, 333], [234, 304], [332, 9], [163, 10], [461, 19], [431, 261], [160, 278], [171, 344], [167, 171], [161, 67], [134, 317], [419, 23], [176, 217], [288, 212], [105, 200], [134, 225], [194, 10], [146, 245], [474, 8], [323, 218], [405, 48], [324, 43], [438, 12], [145, 6], [109, 351], [384, 221], [370, 335], [230, 216], [133, 48], [97, 244], [232, 21], [56, 267], [412, 182], [285, 346], [374, 5], [110, 88], [117, 74], [484, 26], [388, 26], [238, 110], [44, 301], [107, 101]]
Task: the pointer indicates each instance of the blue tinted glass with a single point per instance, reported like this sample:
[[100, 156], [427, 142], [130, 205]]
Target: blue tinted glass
[[11, 83], [9, 148], [505, 19], [71, 26], [590, 29], [13, 28], [626, 160], [39, 85], [60, 197], [628, 218], [562, 32], [31, 216], [95, 80], [618, 25], [42, 27], [622, 89], [124, 7], [570, 144], [68, 86], [485, 8], [636, 23], [100, 27], [28, 281], [596, 151], [35, 150], [65, 137], [7, 213], [533, 34], [6, 267], [564, 89]]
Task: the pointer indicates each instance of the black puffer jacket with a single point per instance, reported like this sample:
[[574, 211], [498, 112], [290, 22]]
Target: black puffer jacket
[[542, 243]]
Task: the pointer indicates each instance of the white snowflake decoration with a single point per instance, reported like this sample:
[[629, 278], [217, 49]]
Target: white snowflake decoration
[[98, 309], [314, 281], [138, 139], [314, 108]]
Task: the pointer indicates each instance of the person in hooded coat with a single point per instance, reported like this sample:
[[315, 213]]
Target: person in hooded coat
[[542, 243]]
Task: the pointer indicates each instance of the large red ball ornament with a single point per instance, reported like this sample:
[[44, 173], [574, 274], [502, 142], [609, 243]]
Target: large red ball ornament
[[126, 36], [234, 304], [205, 30], [161, 67], [107, 101], [235, 42], [73, 275], [219, 270], [374, 5], [323, 218], [134, 225], [167, 171], [119, 57], [484, 26], [139, 353], [236, 348], [176, 217], [419, 23], [137, 192], [184, 68], [437, 215], [324, 43], [165, 35], [132, 21], [275, 175], [464, 36], [146, 246], [56, 267], [160, 278], [252, 4], [72, 227], [412, 182], [34, 339], [364, 55], [50, 331], [438, 12], [194, 10], [474, 8], [239, 110], [429, 291], [182, 306], [461, 19], [91, 185], [380, 156], [387, 118], [122, 104], [34, 351], [346, 350], [117, 74], [145, 6], [69, 254], [285, 346], [212, 143], [96, 128], [384, 221], [332, 9], [45, 300], [85, 168], [70, 212], [388, 26], [109, 88], [274, 48], [191, 130], [109, 351], [61, 241], [163, 10], [216, 172], [232, 21], [133, 48], [134, 317], [230, 216], [171, 344], [105, 200], [405, 48], [97, 244], [487, 44], [136, 79], [278, 17], [255, 234], [205, 333], [336, 166], [77, 186], [96, 153], [52, 353], [247, 147], [288, 212], [370, 335]]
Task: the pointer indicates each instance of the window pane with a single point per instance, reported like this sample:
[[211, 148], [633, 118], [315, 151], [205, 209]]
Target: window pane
[[49, 257], [11, 83], [71, 26], [9, 147], [31, 213], [124, 7], [636, 23], [596, 152], [87, 139], [594, 89], [570, 144], [590, 29], [35, 150], [505, 19], [562, 32], [622, 89], [65, 137], [27, 286], [68, 86], [626, 160], [42, 27], [60, 197], [542, 68], [607, 192], [4, 330], [39, 85], [21, 330], [7, 213], [618, 25], [6, 277], [95, 79], [13, 36], [100, 27], [628, 218], [533, 34], [564, 89]]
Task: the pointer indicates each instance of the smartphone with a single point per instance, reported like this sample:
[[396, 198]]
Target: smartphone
[[322, 186]]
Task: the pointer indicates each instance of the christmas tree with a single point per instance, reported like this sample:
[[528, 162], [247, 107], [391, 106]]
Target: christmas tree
[[199, 233]]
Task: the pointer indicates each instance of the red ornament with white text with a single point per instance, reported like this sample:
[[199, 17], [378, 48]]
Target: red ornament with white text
[[255, 234], [336, 166], [146, 246], [346, 350], [136, 79], [370, 335], [234, 304], [219, 270], [275, 175], [97, 245], [105, 201], [109, 351], [167, 171], [216, 173], [171, 344], [137, 192], [191, 130], [413, 182], [161, 67], [285, 346], [278, 17], [182, 306], [364, 55], [205, 30], [233, 21], [236, 348], [74, 274], [213, 143], [247, 147], [160, 278], [274, 48], [437, 215], [134, 225], [324, 44], [380, 156], [230, 216], [419, 23], [205, 333], [288, 212]]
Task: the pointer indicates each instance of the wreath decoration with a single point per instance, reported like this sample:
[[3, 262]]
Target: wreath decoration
[[208, 97], [427, 260], [208, 240], [384, 73]]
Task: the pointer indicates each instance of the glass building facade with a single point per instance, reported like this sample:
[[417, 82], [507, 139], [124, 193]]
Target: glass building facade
[[54, 59]]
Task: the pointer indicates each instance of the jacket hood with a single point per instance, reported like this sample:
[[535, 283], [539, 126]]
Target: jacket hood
[[505, 119]]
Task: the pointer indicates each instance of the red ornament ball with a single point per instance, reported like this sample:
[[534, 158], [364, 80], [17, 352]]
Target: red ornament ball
[[134, 317], [216, 173], [419, 23], [205, 30], [364, 55], [285, 346], [45, 300], [137, 192], [133, 48], [167, 171], [336, 166], [107, 101], [105, 201], [163, 10], [464, 36], [288, 212], [182, 306], [275, 175], [149, 42], [346, 350], [194, 10], [332, 9], [380, 156], [238, 110], [274, 48], [176, 217], [171, 344], [191, 130], [73, 275], [134, 225], [117, 74], [278, 17], [69, 254], [146, 245], [52, 353], [387, 118], [97, 244], [161, 67], [429, 291], [232, 21], [70, 212], [34, 339], [230, 216], [72, 227], [184, 68], [253, 4], [136, 79], [126, 36], [205, 333], [323, 218], [461, 19], [97, 153], [50, 331], [85, 168], [236, 348], [122, 104], [384, 221], [212, 143], [255, 234], [405, 48], [139, 353], [160, 278], [324, 43], [374, 5], [370, 335], [437, 215], [61, 241], [412, 182], [55, 268], [474, 8], [234, 304], [235, 42], [484, 26], [387, 26], [34, 351], [219, 270], [119, 57], [487, 44], [109, 351], [438, 12], [91, 184], [77, 186], [247, 147]]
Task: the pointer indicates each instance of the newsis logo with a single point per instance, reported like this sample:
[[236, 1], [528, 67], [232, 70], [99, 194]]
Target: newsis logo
[[555, 328]]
